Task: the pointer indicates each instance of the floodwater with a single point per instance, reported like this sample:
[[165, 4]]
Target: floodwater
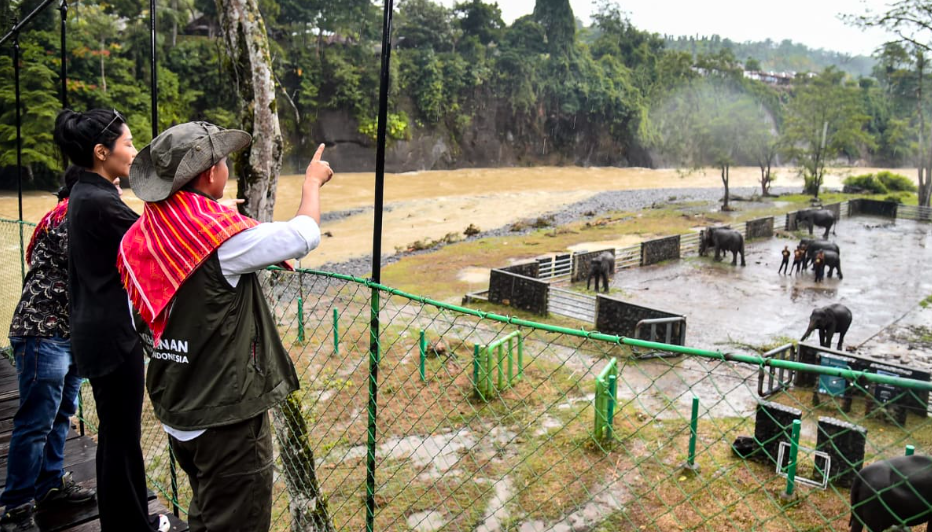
[[883, 263], [421, 205]]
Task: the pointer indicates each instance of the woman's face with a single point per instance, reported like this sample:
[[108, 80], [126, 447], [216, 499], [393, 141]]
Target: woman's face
[[118, 160]]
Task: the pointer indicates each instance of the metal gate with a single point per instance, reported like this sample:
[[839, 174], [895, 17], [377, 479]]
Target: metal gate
[[777, 379], [571, 304]]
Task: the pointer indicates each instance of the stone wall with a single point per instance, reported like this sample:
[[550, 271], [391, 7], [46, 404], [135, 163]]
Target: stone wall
[[661, 249], [844, 443], [613, 316], [835, 208], [518, 291], [873, 207], [582, 261], [774, 424], [760, 228], [526, 269]]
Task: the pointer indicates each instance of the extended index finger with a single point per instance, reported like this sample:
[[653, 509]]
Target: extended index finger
[[318, 153]]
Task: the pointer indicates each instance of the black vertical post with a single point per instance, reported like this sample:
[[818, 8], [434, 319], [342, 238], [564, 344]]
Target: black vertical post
[[63, 9], [377, 263], [19, 153], [154, 87]]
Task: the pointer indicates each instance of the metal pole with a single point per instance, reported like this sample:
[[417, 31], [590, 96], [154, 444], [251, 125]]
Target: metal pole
[[610, 407], [910, 450], [475, 367], [336, 332], [422, 345], [693, 430], [13, 33], [153, 65], [19, 154], [794, 451], [377, 261], [63, 9], [173, 474], [300, 319]]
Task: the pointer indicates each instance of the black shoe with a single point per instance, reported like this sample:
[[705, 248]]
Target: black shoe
[[68, 493], [19, 519]]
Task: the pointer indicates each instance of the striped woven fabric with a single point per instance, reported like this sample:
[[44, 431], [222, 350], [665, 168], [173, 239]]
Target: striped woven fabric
[[51, 220], [167, 244]]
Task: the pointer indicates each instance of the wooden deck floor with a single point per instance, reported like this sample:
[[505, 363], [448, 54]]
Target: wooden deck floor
[[79, 459]]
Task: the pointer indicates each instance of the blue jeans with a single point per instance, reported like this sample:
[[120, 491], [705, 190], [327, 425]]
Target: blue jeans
[[48, 397]]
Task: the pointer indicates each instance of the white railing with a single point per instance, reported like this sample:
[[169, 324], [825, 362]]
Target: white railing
[[571, 304], [555, 266], [913, 212], [689, 243], [629, 257]]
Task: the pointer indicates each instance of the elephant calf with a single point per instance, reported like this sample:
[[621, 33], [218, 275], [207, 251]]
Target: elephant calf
[[892, 492], [829, 320], [602, 266]]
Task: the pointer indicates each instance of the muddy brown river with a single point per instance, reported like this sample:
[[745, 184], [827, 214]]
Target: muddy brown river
[[431, 204]]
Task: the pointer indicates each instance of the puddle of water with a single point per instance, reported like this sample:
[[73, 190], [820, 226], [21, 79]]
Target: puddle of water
[[474, 275], [426, 521], [621, 242], [496, 512]]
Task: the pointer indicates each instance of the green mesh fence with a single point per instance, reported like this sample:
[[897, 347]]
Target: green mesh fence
[[14, 236], [491, 423]]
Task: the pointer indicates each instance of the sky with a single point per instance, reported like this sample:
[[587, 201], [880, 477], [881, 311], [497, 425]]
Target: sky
[[814, 23]]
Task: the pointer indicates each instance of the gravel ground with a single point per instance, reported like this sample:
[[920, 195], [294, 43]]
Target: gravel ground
[[615, 200]]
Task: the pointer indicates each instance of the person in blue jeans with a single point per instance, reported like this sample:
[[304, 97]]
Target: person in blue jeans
[[48, 382]]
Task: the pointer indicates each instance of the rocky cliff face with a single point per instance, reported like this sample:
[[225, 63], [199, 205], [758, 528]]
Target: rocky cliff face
[[492, 139]]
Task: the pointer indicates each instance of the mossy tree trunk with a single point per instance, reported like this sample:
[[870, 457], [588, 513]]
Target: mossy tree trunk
[[308, 506], [250, 64]]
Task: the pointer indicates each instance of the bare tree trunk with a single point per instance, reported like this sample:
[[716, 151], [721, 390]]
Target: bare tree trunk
[[308, 506], [247, 44], [925, 166], [725, 182], [174, 23], [103, 70]]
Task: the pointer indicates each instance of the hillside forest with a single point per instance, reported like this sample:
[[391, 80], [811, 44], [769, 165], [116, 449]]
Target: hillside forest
[[469, 90]]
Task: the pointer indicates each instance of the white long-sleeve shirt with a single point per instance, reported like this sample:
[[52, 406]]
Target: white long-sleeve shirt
[[255, 249]]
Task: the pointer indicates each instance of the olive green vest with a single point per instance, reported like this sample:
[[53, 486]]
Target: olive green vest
[[220, 360]]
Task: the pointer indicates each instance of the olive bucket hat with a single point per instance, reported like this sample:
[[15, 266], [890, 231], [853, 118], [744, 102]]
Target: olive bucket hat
[[178, 155]]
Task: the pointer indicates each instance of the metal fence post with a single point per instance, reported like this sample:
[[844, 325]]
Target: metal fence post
[[336, 331], [19, 153], [910, 450], [791, 467], [300, 319], [173, 473], [693, 431], [422, 344]]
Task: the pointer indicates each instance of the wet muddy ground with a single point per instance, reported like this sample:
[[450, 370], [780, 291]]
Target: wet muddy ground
[[884, 281]]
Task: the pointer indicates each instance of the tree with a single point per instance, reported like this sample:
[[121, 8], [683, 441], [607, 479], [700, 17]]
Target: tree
[[480, 20], [556, 17], [424, 24], [911, 22], [752, 64], [705, 122], [824, 120]]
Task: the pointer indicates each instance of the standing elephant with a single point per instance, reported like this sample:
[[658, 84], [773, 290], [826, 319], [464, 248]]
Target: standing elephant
[[820, 217], [832, 262], [829, 320], [814, 246], [602, 266], [723, 239]]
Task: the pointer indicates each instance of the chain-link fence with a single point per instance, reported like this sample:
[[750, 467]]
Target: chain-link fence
[[484, 422]]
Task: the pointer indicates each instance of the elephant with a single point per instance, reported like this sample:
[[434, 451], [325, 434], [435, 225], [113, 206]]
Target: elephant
[[723, 239], [602, 266], [821, 217], [829, 320], [892, 491], [814, 246], [832, 262]]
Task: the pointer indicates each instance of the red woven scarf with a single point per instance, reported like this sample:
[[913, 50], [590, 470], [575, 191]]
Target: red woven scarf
[[51, 220], [167, 244]]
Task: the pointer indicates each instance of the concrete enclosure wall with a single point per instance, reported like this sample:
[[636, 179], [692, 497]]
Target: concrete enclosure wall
[[760, 228], [526, 269], [582, 262], [613, 316], [518, 291], [873, 207], [661, 249]]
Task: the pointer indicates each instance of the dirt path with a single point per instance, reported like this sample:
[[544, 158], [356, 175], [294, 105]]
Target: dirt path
[[423, 205]]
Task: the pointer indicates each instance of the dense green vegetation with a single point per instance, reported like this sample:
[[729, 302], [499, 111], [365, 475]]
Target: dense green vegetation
[[549, 90]]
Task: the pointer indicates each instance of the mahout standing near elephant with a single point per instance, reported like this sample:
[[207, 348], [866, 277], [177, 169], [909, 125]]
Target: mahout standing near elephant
[[829, 320], [814, 246], [784, 265], [819, 266], [798, 256], [601, 266], [723, 239], [820, 217]]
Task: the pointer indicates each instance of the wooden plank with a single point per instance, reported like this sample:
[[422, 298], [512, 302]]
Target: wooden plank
[[82, 471], [66, 518], [155, 507]]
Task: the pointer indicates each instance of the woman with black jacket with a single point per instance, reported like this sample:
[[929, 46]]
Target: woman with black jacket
[[106, 348]]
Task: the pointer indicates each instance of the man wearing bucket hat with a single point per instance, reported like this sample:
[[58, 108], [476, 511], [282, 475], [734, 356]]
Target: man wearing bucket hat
[[217, 364]]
